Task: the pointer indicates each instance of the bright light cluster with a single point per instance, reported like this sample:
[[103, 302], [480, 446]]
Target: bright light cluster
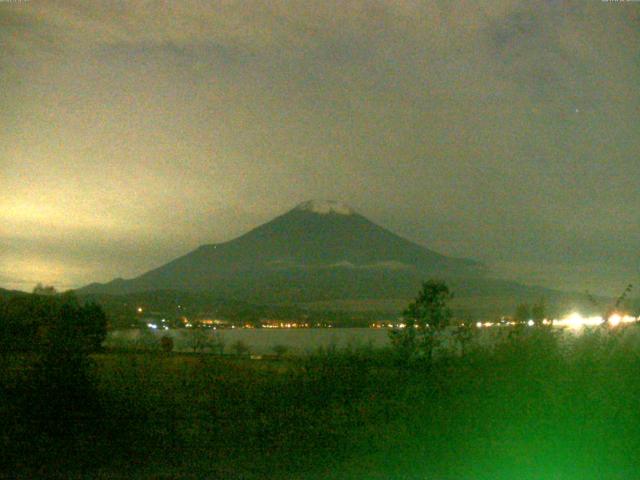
[[573, 321], [153, 326], [577, 321]]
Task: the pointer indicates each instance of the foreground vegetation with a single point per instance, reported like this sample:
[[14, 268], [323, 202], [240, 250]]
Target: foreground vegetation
[[531, 407], [535, 403]]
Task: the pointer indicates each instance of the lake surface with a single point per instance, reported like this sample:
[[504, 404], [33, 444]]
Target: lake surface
[[261, 340], [303, 340]]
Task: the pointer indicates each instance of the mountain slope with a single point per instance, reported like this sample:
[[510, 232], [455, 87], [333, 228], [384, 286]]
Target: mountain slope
[[8, 294]]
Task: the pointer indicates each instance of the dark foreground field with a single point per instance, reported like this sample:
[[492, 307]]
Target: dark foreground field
[[533, 407]]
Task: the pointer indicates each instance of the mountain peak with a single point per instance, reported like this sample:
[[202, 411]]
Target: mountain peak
[[324, 207]]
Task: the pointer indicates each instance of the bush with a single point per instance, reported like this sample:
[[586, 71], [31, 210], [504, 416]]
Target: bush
[[166, 344], [280, 350], [240, 348]]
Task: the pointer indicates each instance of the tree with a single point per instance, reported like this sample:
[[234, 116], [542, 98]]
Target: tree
[[166, 344], [539, 311], [240, 348], [57, 333], [279, 350], [93, 326], [607, 311], [41, 289], [198, 339], [56, 323], [522, 313], [425, 318], [218, 343], [80, 328], [464, 333]]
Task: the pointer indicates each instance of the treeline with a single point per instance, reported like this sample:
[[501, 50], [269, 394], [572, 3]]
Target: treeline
[[48, 399], [40, 323], [123, 312]]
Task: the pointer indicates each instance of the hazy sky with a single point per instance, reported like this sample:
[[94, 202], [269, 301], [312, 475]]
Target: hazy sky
[[505, 131]]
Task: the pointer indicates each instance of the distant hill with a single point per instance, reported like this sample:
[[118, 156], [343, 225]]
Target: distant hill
[[6, 294]]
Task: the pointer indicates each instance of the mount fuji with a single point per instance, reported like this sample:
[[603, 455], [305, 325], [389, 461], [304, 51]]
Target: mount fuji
[[318, 250]]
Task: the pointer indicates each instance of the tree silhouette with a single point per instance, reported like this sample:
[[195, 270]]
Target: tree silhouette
[[166, 344], [43, 323], [41, 289], [280, 350], [240, 348], [522, 313], [425, 318], [539, 311]]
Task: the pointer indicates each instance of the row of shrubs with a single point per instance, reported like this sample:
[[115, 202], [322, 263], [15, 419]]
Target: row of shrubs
[[194, 341]]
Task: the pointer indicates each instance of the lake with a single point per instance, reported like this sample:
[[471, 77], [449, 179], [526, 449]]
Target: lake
[[303, 340], [262, 340]]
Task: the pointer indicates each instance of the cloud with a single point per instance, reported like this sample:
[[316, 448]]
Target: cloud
[[458, 124]]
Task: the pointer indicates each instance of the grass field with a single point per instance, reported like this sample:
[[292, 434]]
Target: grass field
[[530, 407]]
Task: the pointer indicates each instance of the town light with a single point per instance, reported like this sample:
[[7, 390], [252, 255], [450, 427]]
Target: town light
[[577, 321], [614, 320]]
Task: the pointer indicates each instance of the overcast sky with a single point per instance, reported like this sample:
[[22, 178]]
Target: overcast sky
[[506, 131]]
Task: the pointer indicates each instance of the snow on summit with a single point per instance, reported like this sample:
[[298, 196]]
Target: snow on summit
[[324, 207]]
